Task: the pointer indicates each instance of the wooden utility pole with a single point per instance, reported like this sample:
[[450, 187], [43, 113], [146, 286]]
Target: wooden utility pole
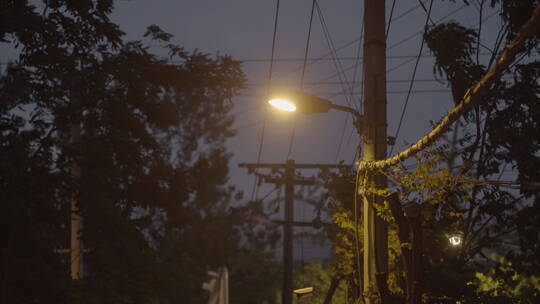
[[76, 250], [288, 233], [374, 146], [289, 180]]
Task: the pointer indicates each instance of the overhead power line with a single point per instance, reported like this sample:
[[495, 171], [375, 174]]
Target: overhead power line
[[353, 84], [340, 93], [404, 110], [405, 40], [422, 30], [265, 115], [344, 58], [347, 88], [390, 19], [339, 68], [315, 83], [324, 56], [304, 66], [428, 12]]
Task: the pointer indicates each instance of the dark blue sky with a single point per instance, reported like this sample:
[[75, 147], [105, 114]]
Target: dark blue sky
[[243, 29]]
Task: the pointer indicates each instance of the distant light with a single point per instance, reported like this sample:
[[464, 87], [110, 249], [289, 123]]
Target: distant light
[[282, 104], [455, 240]]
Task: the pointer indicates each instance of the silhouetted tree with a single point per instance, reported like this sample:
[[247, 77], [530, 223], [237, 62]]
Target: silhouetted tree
[[150, 146]]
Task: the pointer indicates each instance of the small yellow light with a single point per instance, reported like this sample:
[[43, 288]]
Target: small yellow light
[[455, 240], [282, 104]]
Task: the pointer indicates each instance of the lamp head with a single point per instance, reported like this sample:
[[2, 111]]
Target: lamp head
[[282, 104], [301, 102]]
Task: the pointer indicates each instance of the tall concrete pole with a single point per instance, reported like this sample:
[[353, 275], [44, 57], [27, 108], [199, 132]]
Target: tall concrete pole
[[288, 234], [375, 144]]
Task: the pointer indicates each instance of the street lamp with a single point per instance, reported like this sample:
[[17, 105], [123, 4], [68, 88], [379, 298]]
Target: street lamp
[[305, 103], [374, 146]]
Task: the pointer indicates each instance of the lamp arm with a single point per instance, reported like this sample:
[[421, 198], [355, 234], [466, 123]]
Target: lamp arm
[[357, 115], [359, 123]]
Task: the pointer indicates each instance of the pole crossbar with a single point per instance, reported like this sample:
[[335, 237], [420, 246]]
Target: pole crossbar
[[290, 179], [472, 97]]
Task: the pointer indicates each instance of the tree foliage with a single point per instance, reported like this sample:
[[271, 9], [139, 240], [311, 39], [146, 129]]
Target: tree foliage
[[147, 132], [479, 183]]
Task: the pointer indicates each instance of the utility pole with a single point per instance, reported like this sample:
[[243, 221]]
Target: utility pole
[[76, 249], [375, 144], [288, 233], [289, 181]]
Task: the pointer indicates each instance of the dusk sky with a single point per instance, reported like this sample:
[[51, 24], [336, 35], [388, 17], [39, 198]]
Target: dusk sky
[[249, 151], [243, 29]]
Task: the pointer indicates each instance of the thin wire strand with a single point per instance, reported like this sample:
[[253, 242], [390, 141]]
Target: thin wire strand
[[318, 83], [341, 73], [404, 110], [255, 190], [304, 66], [472, 97], [337, 63], [428, 12], [360, 100], [412, 81], [405, 40], [390, 18], [325, 56], [317, 59], [355, 72], [269, 193]]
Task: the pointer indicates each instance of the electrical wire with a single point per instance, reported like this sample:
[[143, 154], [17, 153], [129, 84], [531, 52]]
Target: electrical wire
[[352, 84], [403, 41], [428, 12], [357, 65], [421, 31], [396, 135], [306, 52], [472, 97], [339, 68], [413, 77], [254, 191], [317, 83], [317, 59], [390, 18], [325, 56], [269, 193], [330, 94], [340, 72]]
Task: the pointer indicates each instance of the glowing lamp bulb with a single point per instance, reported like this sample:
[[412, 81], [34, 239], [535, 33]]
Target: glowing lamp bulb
[[282, 104], [455, 240]]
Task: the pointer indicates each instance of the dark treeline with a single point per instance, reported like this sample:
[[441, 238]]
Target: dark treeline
[[147, 138]]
